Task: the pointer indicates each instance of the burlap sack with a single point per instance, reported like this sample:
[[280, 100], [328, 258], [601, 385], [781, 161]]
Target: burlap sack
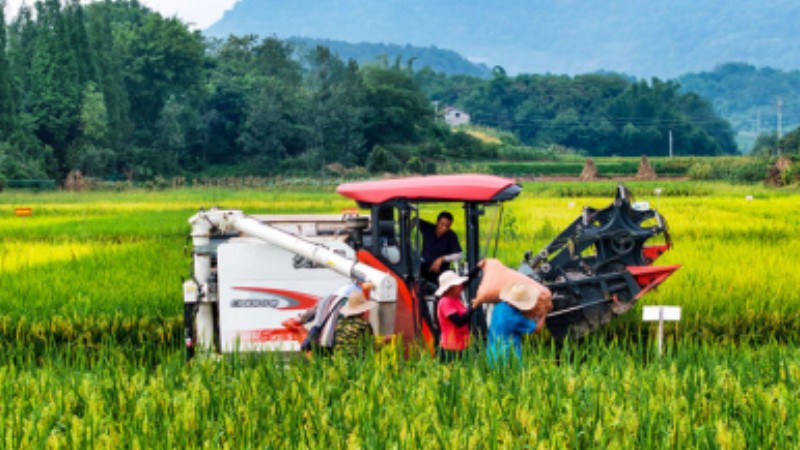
[[495, 276]]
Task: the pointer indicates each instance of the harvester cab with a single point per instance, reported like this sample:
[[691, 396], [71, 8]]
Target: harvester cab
[[394, 243], [250, 274]]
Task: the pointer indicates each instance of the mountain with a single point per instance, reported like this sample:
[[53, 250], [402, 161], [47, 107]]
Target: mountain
[[641, 38], [440, 60], [754, 100]]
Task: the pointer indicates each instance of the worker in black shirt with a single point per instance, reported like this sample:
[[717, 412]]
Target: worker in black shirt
[[440, 246]]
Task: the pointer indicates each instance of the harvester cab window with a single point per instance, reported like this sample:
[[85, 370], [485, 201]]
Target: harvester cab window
[[388, 233], [429, 214], [491, 221]]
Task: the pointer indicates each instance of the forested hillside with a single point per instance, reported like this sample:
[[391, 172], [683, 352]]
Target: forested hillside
[[114, 90], [642, 38], [748, 96], [602, 115]]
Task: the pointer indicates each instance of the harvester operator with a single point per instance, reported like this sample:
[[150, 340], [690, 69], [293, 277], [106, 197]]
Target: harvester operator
[[440, 246]]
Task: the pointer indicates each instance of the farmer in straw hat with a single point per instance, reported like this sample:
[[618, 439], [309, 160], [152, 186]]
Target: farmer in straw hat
[[353, 332], [509, 323], [452, 315]]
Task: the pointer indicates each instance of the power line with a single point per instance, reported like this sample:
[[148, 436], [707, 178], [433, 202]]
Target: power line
[[582, 121]]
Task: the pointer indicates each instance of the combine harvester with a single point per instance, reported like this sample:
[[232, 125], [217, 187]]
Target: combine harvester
[[251, 273]]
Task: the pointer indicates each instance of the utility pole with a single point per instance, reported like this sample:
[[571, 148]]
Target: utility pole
[[756, 130], [780, 123]]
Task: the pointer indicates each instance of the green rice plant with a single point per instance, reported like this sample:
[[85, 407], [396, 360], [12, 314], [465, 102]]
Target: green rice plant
[[604, 395], [91, 353]]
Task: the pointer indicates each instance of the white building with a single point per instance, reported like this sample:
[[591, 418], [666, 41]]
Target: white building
[[455, 117]]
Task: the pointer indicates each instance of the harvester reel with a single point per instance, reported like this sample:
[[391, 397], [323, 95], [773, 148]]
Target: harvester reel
[[622, 242], [586, 266]]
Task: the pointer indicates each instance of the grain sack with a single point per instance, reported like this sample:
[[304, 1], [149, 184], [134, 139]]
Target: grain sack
[[495, 276]]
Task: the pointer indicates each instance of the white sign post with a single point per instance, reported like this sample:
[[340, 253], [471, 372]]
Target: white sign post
[[661, 314], [657, 191]]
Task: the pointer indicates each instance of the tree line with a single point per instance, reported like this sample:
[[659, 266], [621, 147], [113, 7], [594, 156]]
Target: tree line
[[602, 114], [117, 91]]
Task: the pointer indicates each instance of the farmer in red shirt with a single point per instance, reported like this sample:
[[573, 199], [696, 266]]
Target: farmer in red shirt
[[453, 316]]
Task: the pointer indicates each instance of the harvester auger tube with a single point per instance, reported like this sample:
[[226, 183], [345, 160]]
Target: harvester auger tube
[[203, 292], [385, 286], [599, 265]]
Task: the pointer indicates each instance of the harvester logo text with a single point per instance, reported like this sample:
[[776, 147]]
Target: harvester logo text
[[278, 299], [256, 303]]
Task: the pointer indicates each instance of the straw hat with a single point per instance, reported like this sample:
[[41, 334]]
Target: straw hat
[[356, 304], [448, 279], [520, 295]]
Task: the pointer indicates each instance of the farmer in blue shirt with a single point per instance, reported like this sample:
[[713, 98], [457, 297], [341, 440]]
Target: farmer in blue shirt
[[509, 323]]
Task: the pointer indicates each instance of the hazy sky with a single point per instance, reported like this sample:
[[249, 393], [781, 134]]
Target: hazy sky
[[198, 13]]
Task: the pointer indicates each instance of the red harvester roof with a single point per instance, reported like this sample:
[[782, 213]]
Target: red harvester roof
[[467, 187]]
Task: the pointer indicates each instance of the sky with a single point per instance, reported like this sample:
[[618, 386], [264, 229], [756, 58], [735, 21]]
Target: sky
[[198, 13]]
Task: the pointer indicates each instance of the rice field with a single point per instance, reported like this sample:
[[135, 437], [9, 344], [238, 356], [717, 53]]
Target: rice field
[[92, 354]]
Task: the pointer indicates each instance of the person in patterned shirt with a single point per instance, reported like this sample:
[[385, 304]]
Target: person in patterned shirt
[[354, 334]]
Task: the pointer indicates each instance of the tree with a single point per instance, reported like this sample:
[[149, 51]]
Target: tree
[[94, 117], [399, 112], [223, 116], [790, 144], [236, 56], [55, 92], [7, 110], [766, 144], [231, 82], [90, 154], [20, 45], [78, 41], [162, 59], [22, 154], [273, 59], [108, 74], [170, 143], [337, 109], [274, 128], [382, 160], [699, 113]]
